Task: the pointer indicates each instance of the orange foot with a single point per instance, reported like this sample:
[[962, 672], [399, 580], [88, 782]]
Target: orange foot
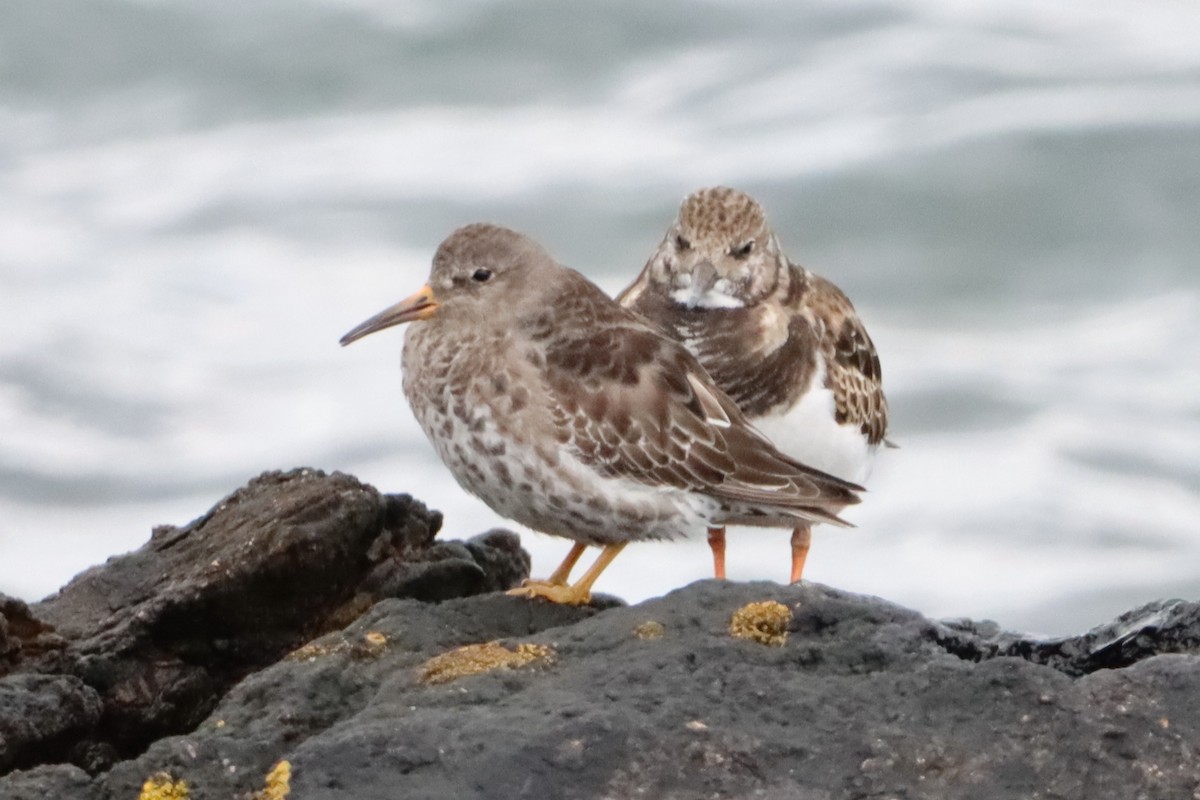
[[554, 592]]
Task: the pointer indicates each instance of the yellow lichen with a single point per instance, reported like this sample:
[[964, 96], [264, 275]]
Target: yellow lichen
[[649, 630], [372, 644], [765, 623], [313, 650], [279, 781], [163, 787], [478, 658]]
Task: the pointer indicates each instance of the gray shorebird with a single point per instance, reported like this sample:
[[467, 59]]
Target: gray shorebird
[[785, 344], [573, 416]]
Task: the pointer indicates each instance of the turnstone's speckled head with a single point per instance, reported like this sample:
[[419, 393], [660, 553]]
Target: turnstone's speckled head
[[720, 253]]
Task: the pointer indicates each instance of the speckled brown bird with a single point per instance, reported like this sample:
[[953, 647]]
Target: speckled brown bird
[[575, 417], [785, 344]]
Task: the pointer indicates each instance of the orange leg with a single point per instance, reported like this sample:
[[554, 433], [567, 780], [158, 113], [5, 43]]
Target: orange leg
[[716, 541], [560, 576], [580, 592], [801, 539]]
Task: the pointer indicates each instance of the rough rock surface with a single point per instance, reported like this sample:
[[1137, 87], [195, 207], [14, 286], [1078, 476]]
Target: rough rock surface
[[46, 713], [820, 694], [145, 645]]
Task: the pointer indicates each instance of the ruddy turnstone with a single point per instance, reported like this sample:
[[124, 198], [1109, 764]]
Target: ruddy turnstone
[[784, 343], [575, 417]]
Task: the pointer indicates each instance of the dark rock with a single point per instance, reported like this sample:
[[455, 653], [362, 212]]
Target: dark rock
[[22, 636], [860, 699], [46, 782], [161, 634], [267, 632], [42, 717], [490, 562], [505, 562], [1163, 626]]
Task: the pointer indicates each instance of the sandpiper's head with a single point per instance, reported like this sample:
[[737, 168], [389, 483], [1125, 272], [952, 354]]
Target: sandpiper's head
[[477, 268], [719, 253]]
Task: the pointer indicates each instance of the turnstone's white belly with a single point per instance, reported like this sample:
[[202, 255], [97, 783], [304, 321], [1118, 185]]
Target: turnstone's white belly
[[808, 431]]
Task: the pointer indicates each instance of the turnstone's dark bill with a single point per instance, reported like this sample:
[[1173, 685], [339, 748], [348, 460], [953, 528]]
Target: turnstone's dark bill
[[573, 416], [784, 343]]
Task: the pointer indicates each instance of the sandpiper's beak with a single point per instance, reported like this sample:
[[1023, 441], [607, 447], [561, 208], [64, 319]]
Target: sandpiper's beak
[[420, 305]]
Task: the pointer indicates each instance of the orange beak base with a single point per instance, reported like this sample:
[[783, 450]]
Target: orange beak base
[[420, 305]]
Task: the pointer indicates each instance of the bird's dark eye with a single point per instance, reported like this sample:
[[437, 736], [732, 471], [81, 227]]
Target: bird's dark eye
[[682, 243], [481, 275], [743, 251]]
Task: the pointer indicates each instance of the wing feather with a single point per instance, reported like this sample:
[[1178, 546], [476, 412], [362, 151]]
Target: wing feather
[[852, 370], [639, 406]]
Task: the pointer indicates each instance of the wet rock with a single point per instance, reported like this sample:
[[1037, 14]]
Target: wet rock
[[1163, 626]]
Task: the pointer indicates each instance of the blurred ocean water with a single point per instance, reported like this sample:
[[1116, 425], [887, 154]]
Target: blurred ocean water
[[198, 198]]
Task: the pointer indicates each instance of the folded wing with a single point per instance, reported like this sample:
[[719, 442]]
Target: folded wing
[[634, 404]]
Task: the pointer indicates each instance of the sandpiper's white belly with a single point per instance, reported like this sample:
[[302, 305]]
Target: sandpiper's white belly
[[809, 432]]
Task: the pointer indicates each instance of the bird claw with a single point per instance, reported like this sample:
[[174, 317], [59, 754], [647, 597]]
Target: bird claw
[[554, 592]]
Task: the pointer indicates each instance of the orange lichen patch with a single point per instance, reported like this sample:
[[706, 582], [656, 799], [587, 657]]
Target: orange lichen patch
[[372, 644], [475, 659], [279, 781], [765, 623], [163, 787], [313, 650], [649, 630]]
